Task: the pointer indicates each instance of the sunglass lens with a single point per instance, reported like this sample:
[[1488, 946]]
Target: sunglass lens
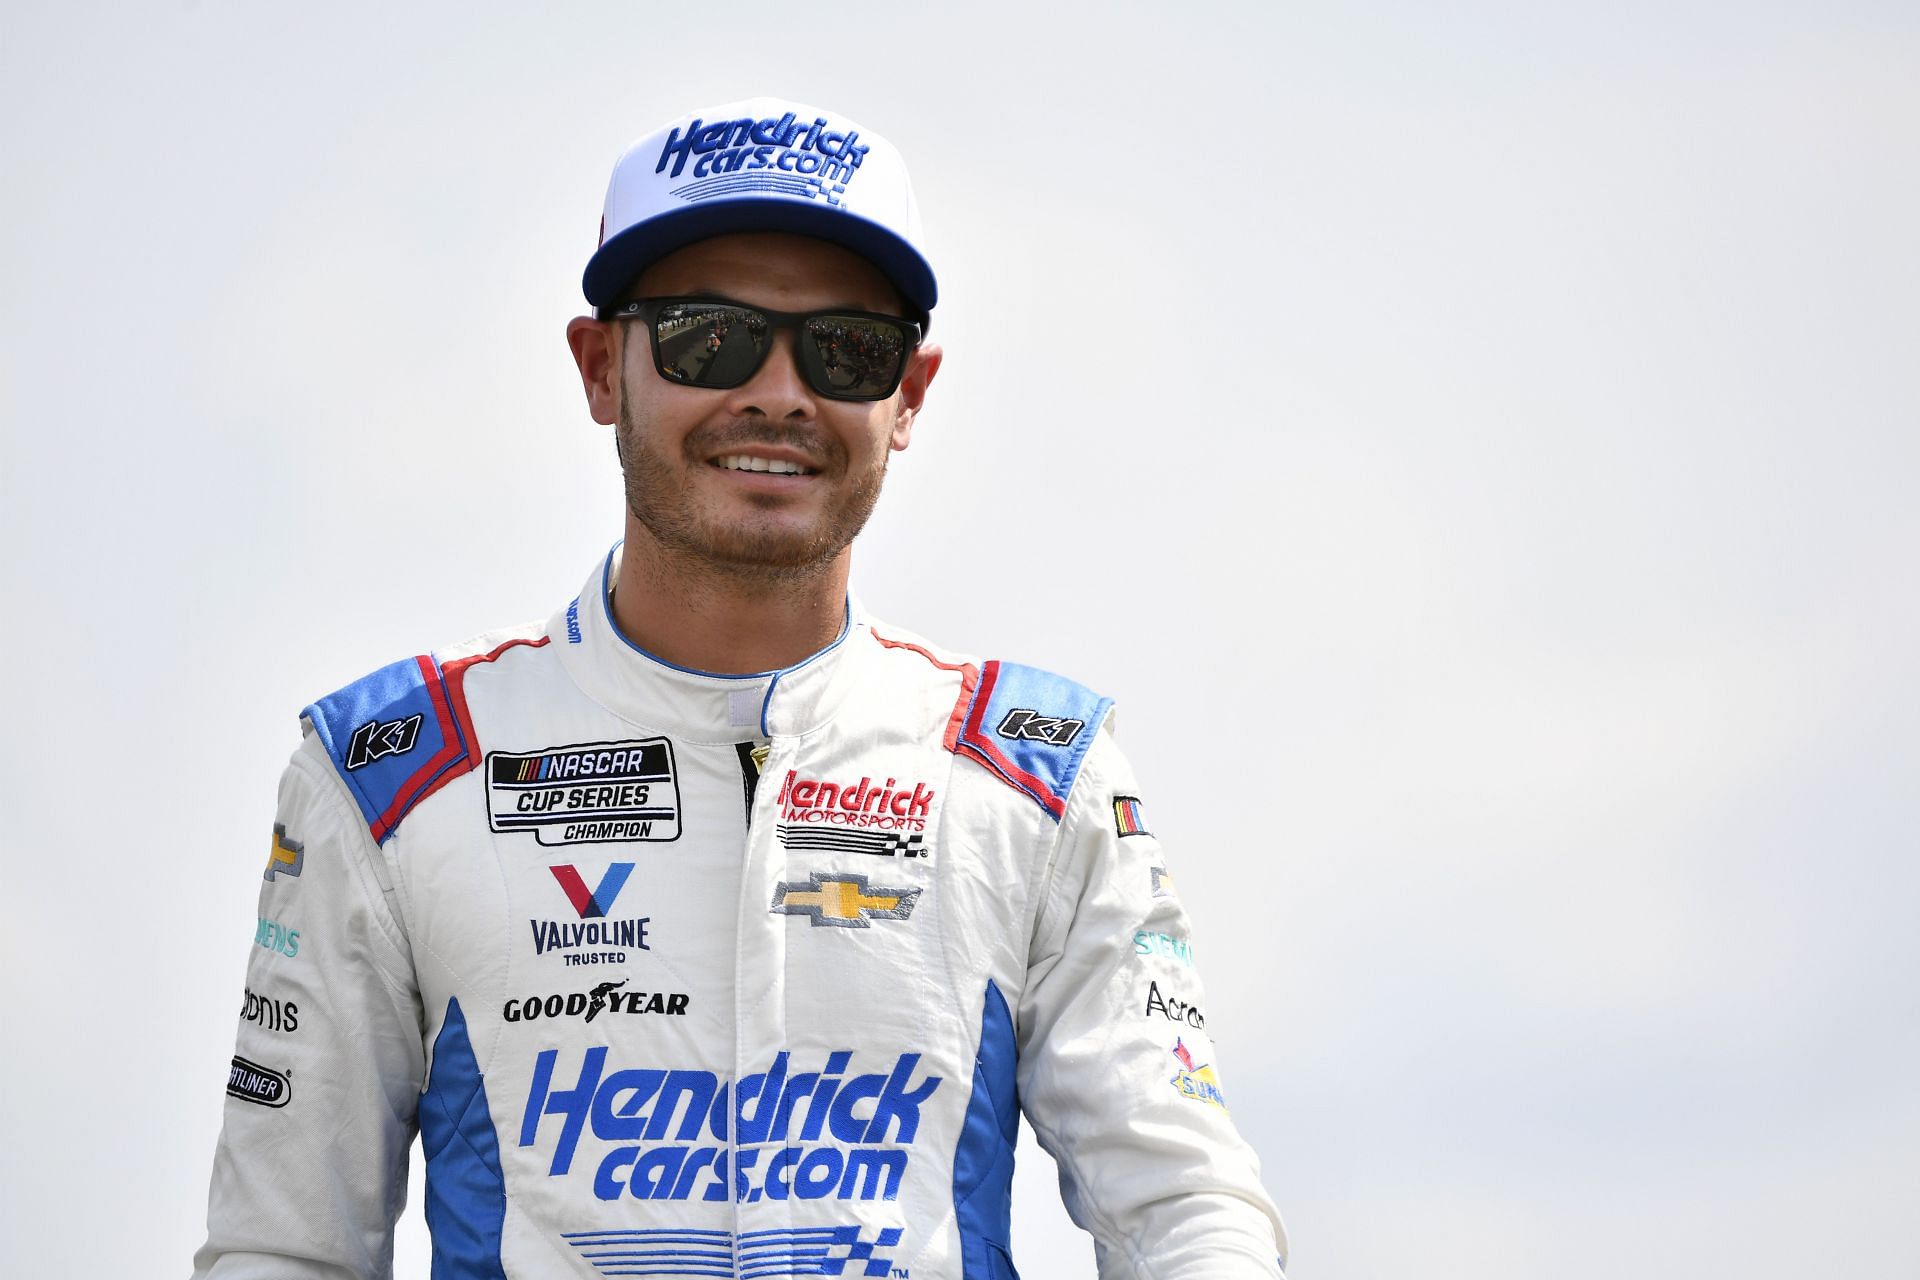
[[709, 345], [855, 357]]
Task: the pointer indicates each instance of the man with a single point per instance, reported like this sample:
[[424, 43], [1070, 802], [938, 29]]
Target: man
[[713, 927]]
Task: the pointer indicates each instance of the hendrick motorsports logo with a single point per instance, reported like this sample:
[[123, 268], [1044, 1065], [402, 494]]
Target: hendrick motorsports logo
[[860, 805], [592, 792], [844, 901], [813, 1134]]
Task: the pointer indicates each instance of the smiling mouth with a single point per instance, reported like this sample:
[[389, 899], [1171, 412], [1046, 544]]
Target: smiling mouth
[[770, 466]]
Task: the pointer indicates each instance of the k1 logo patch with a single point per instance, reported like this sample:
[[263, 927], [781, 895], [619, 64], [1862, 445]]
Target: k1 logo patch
[[1023, 722], [376, 740], [587, 793]]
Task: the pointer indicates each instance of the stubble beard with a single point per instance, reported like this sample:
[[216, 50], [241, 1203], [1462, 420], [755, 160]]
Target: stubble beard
[[660, 497]]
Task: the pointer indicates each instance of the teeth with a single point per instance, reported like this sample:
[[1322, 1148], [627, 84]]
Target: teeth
[[742, 462]]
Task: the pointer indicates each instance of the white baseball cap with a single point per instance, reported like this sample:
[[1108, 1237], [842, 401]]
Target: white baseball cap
[[761, 165]]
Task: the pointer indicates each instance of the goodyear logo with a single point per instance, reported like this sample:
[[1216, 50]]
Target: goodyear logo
[[842, 901], [778, 1134], [287, 856]]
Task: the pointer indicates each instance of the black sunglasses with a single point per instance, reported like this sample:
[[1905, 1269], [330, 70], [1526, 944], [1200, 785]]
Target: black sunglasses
[[707, 342]]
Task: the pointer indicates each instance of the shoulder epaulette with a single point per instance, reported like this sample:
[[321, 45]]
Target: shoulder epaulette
[[401, 734], [392, 737], [1030, 727]]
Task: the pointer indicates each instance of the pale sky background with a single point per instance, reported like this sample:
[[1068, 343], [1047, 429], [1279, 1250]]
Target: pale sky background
[[1476, 443]]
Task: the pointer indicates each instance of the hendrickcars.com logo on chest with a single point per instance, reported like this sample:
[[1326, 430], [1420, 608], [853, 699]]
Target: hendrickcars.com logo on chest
[[817, 1134]]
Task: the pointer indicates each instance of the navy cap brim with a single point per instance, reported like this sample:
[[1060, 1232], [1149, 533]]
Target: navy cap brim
[[617, 262]]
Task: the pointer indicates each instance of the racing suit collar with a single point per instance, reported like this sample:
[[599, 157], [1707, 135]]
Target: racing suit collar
[[699, 706]]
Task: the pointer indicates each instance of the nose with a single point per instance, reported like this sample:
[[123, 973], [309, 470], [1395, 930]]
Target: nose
[[777, 389]]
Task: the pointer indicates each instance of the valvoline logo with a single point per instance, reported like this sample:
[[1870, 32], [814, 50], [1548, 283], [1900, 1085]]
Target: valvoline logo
[[595, 903], [803, 1135], [579, 942]]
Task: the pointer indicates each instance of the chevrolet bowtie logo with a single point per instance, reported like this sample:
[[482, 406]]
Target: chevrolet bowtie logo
[[844, 901], [287, 857]]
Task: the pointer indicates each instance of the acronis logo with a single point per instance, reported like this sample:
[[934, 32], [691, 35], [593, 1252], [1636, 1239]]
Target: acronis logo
[[784, 144], [801, 1135]]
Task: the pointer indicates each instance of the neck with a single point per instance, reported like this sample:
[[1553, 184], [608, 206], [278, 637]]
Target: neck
[[731, 622]]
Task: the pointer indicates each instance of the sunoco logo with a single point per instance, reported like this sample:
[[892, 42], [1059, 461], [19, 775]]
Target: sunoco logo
[[808, 1135], [251, 1082], [890, 806], [1195, 1080]]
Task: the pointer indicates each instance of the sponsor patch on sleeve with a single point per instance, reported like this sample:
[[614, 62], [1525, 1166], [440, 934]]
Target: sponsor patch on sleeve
[[251, 1082], [287, 856], [1129, 818]]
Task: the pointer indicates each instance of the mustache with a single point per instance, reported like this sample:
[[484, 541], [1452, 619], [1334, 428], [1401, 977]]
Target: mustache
[[817, 445]]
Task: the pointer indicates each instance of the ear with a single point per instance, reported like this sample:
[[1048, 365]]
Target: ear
[[921, 366], [597, 352]]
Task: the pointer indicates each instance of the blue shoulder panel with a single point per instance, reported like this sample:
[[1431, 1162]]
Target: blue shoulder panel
[[391, 736], [1032, 728]]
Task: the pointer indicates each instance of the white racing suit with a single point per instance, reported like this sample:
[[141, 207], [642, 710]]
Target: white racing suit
[[681, 974]]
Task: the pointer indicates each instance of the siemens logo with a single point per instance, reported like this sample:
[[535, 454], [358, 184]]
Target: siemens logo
[[826, 1134], [1162, 944]]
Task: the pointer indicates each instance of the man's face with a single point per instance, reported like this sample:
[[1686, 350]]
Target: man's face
[[696, 459]]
